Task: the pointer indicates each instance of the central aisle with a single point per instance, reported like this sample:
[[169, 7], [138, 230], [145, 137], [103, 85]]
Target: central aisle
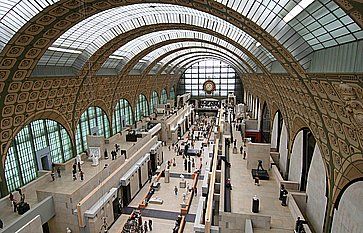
[[164, 215]]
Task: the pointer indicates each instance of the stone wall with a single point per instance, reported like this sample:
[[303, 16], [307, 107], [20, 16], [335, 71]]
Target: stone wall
[[331, 106], [296, 158]]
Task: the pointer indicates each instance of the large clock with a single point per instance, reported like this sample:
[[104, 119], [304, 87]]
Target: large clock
[[209, 86]]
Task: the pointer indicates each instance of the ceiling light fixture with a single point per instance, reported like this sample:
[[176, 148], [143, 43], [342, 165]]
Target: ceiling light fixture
[[258, 44], [297, 9], [64, 50]]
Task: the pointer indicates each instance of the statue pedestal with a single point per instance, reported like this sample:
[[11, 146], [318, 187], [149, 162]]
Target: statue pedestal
[[167, 176], [182, 184], [235, 150]]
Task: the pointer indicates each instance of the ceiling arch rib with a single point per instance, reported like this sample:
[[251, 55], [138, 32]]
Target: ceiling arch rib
[[322, 24], [173, 63], [126, 52], [170, 60], [92, 33], [189, 62], [98, 58], [154, 66], [188, 45]]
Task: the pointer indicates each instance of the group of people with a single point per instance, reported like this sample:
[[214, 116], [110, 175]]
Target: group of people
[[136, 224], [54, 169], [19, 206], [74, 171]]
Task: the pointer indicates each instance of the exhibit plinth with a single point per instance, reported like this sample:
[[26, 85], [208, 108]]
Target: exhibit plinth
[[167, 176], [182, 184]]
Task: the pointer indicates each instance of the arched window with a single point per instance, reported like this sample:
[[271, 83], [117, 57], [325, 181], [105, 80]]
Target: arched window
[[122, 115], [142, 109], [223, 75], [164, 97], [265, 124], [20, 165], [93, 121], [172, 93], [154, 100]]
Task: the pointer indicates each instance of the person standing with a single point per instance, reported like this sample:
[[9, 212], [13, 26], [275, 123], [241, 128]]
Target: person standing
[[15, 205], [79, 166], [175, 190], [53, 176], [145, 226], [1, 224], [81, 175], [59, 172], [150, 224]]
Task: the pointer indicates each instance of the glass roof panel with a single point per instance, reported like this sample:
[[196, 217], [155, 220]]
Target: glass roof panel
[[315, 21], [157, 53], [97, 30], [133, 47], [142, 65], [15, 13]]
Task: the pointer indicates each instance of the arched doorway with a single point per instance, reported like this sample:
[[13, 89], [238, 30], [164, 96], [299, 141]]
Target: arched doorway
[[265, 124]]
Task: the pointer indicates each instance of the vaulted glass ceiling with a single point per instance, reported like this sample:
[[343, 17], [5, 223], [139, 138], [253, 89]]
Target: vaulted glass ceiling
[[315, 25], [129, 50], [207, 48], [93, 32]]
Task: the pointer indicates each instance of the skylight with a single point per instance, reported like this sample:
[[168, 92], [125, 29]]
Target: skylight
[[64, 50], [297, 9]]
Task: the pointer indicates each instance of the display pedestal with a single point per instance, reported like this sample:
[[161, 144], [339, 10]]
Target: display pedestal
[[235, 150], [167, 176], [255, 205], [182, 184]]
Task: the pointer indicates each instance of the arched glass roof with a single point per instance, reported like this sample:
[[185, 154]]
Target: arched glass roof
[[180, 60], [133, 47], [302, 26], [169, 58], [205, 48], [95, 31]]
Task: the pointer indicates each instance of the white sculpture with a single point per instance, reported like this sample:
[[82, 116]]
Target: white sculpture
[[182, 177]]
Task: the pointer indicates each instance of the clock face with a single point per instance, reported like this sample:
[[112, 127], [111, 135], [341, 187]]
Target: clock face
[[209, 86]]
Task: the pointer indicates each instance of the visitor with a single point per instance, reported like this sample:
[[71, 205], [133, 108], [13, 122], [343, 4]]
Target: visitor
[[79, 166], [257, 181], [53, 176], [15, 205], [11, 196], [1, 224], [175, 190], [81, 174], [244, 154], [150, 224], [58, 172], [145, 226], [241, 150]]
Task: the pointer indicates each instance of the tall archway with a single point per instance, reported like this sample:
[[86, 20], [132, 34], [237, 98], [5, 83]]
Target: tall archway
[[348, 214], [122, 115], [172, 93], [265, 124], [164, 97], [276, 131], [142, 108], [93, 121], [154, 100], [21, 165]]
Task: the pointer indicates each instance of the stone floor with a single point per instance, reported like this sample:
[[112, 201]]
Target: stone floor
[[244, 189], [163, 215]]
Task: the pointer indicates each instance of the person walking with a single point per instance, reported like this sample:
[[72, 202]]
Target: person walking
[[145, 226], [59, 172], [53, 176], [150, 224], [175, 190], [81, 175]]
